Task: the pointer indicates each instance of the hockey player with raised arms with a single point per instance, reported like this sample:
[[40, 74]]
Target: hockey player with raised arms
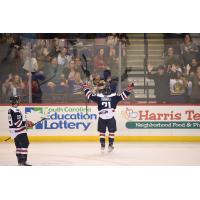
[[18, 131], [107, 103]]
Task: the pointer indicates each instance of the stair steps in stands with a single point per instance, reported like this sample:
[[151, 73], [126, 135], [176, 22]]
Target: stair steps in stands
[[135, 62]]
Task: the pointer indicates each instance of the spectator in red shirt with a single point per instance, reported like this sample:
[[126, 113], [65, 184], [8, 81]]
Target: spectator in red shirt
[[100, 61]]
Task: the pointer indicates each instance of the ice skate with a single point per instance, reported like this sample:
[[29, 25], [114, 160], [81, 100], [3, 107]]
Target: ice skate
[[24, 164], [102, 147], [110, 148]]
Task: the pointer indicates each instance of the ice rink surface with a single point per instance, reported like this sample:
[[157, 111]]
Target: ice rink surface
[[88, 153]]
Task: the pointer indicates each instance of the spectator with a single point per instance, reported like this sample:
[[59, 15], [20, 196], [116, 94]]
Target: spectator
[[195, 80], [100, 61], [71, 70], [13, 85], [4, 50], [6, 87], [173, 69], [63, 80], [62, 57], [113, 62], [17, 85], [178, 88], [54, 48], [194, 65], [36, 90], [162, 82], [100, 39], [124, 56], [10, 54], [172, 58], [124, 38], [24, 52], [43, 53], [112, 40], [52, 73], [62, 90], [189, 49], [78, 62], [78, 66], [75, 88], [31, 63]]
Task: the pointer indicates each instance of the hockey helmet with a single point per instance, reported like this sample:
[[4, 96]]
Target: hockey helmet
[[106, 90], [14, 100]]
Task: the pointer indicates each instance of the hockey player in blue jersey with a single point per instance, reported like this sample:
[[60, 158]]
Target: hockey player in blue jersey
[[17, 127], [107, 103]]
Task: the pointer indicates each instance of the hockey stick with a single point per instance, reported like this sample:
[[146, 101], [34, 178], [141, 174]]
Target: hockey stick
[[44, 118], [49, 79], [85, 70], [87, 74]]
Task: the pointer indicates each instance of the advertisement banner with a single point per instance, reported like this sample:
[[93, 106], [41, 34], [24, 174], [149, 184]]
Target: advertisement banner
[[163, 120], [137, 120]]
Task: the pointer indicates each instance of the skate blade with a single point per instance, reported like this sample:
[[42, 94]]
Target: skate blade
[[110, 149], [102, 150]]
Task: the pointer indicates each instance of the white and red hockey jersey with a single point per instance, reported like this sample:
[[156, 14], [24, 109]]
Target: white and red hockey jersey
[[16, 123]]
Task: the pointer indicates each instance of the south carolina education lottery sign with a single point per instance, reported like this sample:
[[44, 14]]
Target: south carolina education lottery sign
[[63, 120], [135, 120]]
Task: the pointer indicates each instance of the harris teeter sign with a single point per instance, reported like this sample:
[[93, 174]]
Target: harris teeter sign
[[149, 120]]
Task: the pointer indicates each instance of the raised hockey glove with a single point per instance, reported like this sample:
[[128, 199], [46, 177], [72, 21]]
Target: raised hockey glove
[[84, 85], [130, 87]]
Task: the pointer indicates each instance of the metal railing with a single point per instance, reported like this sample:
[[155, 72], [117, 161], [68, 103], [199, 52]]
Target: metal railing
[[146, 53]]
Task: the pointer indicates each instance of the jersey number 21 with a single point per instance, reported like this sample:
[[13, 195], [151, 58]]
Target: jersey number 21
[[106, 104]]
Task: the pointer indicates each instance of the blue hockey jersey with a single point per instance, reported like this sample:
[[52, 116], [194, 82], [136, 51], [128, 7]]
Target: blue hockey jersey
[[106, 103]]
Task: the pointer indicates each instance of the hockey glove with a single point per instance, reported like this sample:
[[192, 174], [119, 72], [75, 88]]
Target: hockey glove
[[29, 124], [130, 87]]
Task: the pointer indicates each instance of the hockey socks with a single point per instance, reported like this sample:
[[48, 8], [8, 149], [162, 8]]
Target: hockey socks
[[111, 139], [102, 139], [21, 154]]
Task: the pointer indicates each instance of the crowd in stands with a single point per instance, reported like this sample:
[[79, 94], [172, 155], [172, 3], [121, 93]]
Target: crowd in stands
[[56, 64], [58, 67], [178, 80]]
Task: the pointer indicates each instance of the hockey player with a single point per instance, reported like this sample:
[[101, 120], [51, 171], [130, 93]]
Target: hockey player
[[18, 131], [107, 103]]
